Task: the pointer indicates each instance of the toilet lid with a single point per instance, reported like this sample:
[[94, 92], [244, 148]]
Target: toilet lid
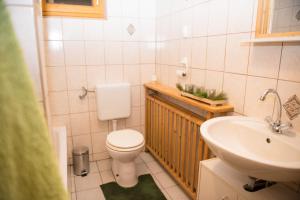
[[125, 139]]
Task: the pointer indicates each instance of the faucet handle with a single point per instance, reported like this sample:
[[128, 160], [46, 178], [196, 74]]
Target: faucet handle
[[285, 126]]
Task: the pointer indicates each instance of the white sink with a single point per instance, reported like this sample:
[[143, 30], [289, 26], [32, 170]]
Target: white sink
[[242, 143]]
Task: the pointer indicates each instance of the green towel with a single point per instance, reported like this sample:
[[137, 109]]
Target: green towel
[[28, 169]]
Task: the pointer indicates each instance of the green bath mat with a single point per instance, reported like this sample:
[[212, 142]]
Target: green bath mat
[[146, 189]]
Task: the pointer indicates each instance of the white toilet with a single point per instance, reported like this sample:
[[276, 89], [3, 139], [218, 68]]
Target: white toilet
[[113, 102]]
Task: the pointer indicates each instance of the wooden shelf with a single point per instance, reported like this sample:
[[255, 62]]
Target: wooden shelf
[[174, 93]]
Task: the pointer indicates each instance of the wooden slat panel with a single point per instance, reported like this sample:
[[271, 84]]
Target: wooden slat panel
[[193, 157], [173, 137]]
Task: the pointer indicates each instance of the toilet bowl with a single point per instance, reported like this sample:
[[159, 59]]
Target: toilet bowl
[[124, 146]]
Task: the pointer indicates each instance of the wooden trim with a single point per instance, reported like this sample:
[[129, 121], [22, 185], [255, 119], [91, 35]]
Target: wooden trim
[[174, 93], [262, 22], [94, 11]]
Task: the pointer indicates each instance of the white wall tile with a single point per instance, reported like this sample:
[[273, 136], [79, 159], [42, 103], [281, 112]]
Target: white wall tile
[[96, 124], [214, 80], [218, 13], [113, 53], [135, 96], [95, 75], [290, 62], [130, 8], [72, 29], [199, 48], [52, 28], [235, 87], [74, 52], [254, 89], [113, 29], [56, 77], [77, 105], [131, 53], [99, 142], [59, 103], [147, 27], [147, 70], [237, 53], [240, 16], [76, 77], [216, 52], [132, 74], [54, 52], [135, 117], [264, 60], [198, 77], [80, 123], [114, 8], [147, 52], [148, 9], [114, 73], [93, 29], [94, 53], [185, 50], [200, 20]]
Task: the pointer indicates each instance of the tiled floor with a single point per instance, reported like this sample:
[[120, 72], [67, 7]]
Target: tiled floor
[[87, 188]]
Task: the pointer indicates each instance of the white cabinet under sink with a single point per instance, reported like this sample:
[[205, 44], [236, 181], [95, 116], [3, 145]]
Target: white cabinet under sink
[[218, 181]]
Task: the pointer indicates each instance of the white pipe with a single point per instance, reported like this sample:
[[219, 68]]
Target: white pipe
[[60, 135], [115, 124]]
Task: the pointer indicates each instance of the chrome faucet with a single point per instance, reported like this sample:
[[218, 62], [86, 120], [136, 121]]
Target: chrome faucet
[[277, 126]]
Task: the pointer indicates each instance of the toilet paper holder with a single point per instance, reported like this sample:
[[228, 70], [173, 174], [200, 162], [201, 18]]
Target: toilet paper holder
[[85, 92]]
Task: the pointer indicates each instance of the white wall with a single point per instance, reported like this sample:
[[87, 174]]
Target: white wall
[[26, 17], [85, 52], [217, 57]]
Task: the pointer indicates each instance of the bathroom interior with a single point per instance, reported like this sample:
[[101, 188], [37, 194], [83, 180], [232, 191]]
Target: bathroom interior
[[150, 99]]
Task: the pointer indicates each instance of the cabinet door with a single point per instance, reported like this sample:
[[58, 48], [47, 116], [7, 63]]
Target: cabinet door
[[213, 188]]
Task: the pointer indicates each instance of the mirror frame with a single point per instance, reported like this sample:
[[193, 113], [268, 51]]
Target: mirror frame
[[262, 22], [95, 11]]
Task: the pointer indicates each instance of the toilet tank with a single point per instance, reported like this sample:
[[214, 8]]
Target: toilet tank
[[113, 101]]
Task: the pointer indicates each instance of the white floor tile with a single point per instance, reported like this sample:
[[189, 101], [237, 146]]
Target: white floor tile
[[161, 188], [154, 167], [176, 193], [94, 194], [104, 165], [165, 180], [142, 169], [146, 157], [91, 181], [107, 176], [93, 167]]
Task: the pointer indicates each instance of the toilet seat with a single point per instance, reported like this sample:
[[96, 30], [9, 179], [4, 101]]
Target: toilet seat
[[125, 140]]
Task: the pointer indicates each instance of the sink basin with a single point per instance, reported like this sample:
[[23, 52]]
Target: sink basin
[[249, 145]]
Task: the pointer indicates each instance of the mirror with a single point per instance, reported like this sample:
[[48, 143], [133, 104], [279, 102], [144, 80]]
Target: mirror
[[72, 2], [278, 18]]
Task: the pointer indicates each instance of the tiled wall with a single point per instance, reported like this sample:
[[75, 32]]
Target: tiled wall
[[214, 31], [86, 52]]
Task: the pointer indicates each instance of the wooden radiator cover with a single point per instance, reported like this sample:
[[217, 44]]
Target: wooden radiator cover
[[172, 133]]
